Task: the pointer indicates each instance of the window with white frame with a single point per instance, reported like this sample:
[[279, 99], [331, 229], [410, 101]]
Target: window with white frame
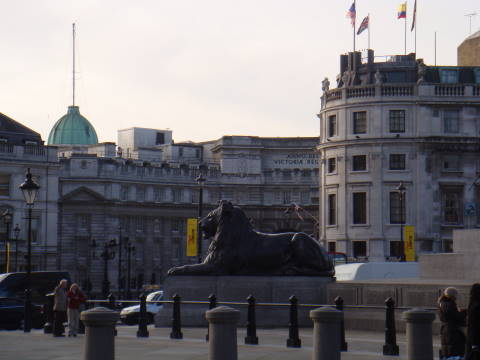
[[360, 122], [449, 76], [359, 162], [397, 121], [396, 162], [332, 125], [452, 205], [331, 165]]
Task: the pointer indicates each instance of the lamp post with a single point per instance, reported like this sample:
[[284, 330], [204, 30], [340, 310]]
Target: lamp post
[[200, 181], [401, 195], [7, 219], [120, 244], [107, 254], [16, 231], [129, 248], [30, 190]]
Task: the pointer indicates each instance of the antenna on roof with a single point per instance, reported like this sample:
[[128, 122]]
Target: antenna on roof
[[73, 70], [470, 16]]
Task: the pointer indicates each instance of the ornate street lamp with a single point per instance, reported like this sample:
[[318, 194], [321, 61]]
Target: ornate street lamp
[[7, 220], [200, 181], [107, 254], [130, 249], [16, 231], [30, 190], [401, 195]]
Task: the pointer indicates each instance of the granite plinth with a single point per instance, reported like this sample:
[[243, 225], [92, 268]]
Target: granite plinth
[[265, 289]]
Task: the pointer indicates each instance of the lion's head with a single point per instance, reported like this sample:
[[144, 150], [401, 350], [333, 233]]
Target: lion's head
[[225, 213]]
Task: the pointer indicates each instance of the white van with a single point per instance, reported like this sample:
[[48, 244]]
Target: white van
[[377, 270]]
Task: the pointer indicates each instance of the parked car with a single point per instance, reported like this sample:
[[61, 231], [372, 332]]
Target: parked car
[[338, 257], [130, 315], [12, 313]]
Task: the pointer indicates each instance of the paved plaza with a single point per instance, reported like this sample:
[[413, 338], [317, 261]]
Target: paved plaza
[[39, 346]]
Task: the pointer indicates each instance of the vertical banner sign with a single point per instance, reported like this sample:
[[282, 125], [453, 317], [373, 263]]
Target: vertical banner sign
[[192, 237], [409, 236]]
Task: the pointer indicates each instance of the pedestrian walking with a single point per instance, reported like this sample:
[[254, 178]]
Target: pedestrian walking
[[472, 350], [75, 299], [452, 318], [60, 308]]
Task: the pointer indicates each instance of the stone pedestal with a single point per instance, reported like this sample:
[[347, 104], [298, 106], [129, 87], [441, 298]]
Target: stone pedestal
[[265, 289], [419, 334]]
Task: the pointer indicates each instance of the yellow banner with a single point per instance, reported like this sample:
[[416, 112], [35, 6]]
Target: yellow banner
[[409, 236], [192, 237]]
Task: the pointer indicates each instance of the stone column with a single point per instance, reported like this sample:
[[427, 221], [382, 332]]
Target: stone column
[[326, 330], [99, 333], [222, 327], [419, 334]]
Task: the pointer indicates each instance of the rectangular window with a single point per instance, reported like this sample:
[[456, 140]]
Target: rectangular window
[[332, 246], [331, 165], [396, 249], [157, 226], [177, 195], [397, 208], [449, 76], [160, 140], [158, 195], [477, 76], [360, 122], [452, 205], [4, 185], [332, 125], [397, 121], [360, 208], [451, 163], [359, 249], [397, 162], [451, 121], [305, 197], [83, 222], [140, 194], [359, 163], [287, 197], [176, 248], [332, 209], [124, 193], [180, 151]]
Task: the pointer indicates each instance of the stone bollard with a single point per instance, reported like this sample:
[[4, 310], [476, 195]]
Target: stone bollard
[[222, 325], [326, 329], [419, 334], [99, 333]]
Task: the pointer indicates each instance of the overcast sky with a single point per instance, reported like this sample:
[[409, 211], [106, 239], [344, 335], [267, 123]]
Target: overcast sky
[[200, 68]]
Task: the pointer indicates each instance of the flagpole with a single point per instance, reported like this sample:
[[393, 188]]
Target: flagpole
[[369, 23], [354, 23], [405, 37], [415, 28]]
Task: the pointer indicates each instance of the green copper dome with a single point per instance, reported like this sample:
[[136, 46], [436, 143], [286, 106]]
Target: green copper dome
[[72, 129]]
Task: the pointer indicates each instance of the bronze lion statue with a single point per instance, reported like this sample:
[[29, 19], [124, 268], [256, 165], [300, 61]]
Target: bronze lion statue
[[237, 249]]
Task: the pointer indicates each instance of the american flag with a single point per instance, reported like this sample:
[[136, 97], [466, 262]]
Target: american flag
[[352, 14]]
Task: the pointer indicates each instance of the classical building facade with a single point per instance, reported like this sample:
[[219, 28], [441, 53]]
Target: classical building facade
[[394, 121], [143, 191], [20, 149]]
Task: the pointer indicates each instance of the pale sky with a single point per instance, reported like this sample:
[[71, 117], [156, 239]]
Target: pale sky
[[200, 68]]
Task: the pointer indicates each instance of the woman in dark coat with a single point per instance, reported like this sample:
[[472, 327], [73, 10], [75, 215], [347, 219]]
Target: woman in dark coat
[[452, 336], [472, 351]]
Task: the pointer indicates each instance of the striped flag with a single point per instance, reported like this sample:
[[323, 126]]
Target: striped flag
[[363, 26], [352, 14], [402, 11], [414, 16]]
